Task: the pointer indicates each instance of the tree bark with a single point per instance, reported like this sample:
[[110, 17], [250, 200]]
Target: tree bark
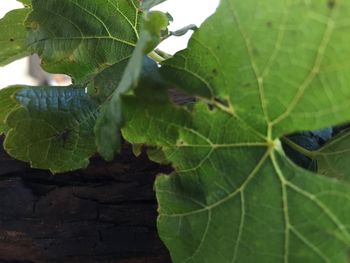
[[105, 213]]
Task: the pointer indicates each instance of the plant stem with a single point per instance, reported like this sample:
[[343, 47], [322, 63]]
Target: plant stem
[[298, 148], [156, 57], [163, 54]]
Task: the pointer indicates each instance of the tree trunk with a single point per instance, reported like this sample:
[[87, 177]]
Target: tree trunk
[[106, 213]]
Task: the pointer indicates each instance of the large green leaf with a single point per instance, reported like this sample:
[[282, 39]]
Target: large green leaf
[[53, 128], [83, 37], [13, 36], [268, 68], [235, 197], [110, 120], [272, 62], [7, 105]]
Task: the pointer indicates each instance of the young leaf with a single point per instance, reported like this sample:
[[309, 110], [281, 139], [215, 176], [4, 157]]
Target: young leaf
[[235, 196], [7, 105], [13, 36], [53, 128], [110, 120], [92, 34]]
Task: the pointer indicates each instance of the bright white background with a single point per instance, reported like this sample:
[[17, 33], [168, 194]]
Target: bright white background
[[184, 12]]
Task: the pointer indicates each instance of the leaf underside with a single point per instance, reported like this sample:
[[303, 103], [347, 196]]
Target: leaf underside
[[268, 68]]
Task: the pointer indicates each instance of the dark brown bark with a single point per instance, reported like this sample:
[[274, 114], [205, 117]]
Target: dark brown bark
[[106, 213]]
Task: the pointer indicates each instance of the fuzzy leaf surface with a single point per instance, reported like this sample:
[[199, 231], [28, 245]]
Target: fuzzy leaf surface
[[234, 195], [53, 128]]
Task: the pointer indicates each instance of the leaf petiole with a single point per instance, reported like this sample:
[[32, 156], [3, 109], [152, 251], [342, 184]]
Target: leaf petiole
[[156, 57], [298, 148]]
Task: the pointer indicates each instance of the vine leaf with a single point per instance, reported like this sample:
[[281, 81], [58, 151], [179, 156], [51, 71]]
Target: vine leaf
[[92, 34], [333, 158], [110, 120], [53, 128], [13, 36], [225, 170], [102, 85], [234, 196], [7, 105], [263, 57]]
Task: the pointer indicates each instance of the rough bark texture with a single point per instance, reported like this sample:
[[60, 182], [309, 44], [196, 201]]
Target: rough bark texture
[[106, 213]]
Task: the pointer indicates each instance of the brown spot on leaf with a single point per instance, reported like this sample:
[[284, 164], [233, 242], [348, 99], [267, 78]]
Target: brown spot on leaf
[[269, 24], [11, 40], [34, 25], [210, 107], [331, 4], [64, 136]]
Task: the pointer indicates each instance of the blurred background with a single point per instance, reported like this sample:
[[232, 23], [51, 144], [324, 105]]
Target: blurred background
[[185, 12]]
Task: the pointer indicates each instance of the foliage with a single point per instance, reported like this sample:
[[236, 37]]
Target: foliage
[[13, 36], [266, 77], [52, 128]]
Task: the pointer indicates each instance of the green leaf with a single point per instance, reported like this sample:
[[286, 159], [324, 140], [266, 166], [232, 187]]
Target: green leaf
[[333, 158], [104, 84], [13, 36], [7, 105], [53, 128], [92, 34], [110, 120], [234, 195], [268, 68]]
